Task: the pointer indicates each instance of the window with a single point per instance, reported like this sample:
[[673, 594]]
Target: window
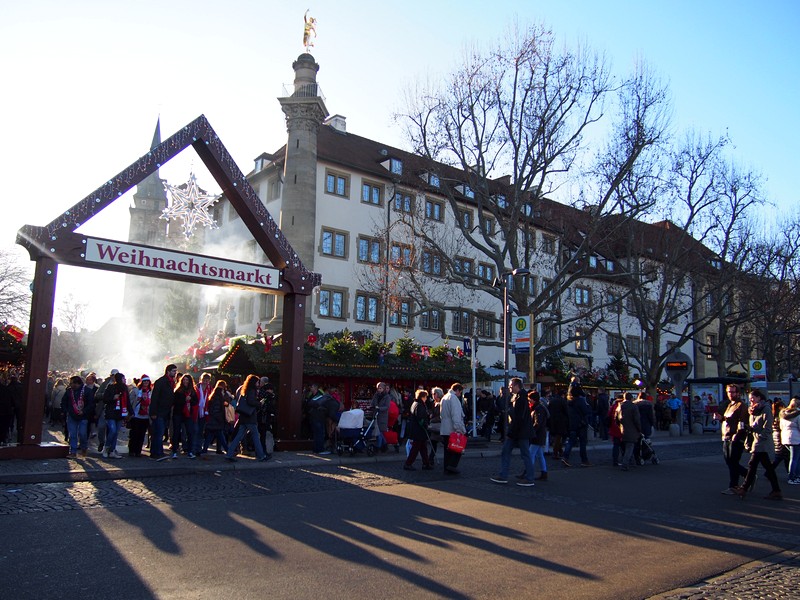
[[614, 303], [610, 266], [433, 180], [337, 184], [274, 189], [630, 305], [366, 308], [634, 345], [711, 345], [527, 209], [400, 255], [463, 266], [501, 201], [431, 319], [488, 226], [371, 193], [369, 250], [468, 191], [583, 296], [402, 314], [403, 202], [333, 243], [486, 272], [331, 303], [531, 284], [583, 339], [593, 262], [547, 284], [484, 325], [548, 244], [549, 334], [613, 344], [431, 263], [462, 322], [434, 210], [396, 166], [465, 219]]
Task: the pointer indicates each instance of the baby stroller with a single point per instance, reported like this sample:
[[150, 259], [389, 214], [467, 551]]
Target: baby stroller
[[353, 436], [646, 451]]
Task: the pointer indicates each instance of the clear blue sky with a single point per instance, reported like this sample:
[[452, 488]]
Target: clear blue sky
[[85, 80]]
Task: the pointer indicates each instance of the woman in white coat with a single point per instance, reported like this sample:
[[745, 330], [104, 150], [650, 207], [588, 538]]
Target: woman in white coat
[[452, 415]]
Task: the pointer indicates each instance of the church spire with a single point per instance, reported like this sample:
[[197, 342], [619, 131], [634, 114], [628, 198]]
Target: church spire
[[156, 134]]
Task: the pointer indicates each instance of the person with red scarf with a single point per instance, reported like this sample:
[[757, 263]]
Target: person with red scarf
[[160, 410], [79, 409], [204, 390], [116, 410], [185, 406], [139, 420]]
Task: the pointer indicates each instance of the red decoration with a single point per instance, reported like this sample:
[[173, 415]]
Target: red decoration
[[312, 339], [268, 343], [15, 332]]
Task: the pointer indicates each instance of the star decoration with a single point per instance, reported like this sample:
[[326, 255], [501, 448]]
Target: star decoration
[[191, 205]]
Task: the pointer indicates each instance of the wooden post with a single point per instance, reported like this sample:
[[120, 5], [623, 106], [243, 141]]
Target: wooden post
[[290, 393]]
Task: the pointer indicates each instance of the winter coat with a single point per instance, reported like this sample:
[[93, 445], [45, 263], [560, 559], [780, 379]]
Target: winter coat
[[185, 403], [735, 413], [790, 427], [251, 399], [116, 401], [418, 420], [559, 416], [761, 428], [539, 416], [647, 416], [579, 413], [629, 421], [452, 414], [74, 399], [614, 429], [215, 405], [520, 425], [163, 395], [381, 403]]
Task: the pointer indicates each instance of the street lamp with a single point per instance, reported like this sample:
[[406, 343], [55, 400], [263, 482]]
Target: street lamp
[[506, 320]]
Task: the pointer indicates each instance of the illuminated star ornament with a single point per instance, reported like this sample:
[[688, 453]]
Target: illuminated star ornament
[[191, 205]]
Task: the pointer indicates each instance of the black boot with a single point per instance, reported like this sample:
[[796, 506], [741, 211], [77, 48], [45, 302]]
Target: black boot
[[542, 476]]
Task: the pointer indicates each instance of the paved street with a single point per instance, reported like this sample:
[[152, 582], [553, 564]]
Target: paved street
[[304, 527]]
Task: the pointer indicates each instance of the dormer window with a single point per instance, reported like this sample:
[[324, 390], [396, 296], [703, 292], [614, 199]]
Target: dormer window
[[468, 192], [396, 166], [501, 201], [716, 263], [433, 180]]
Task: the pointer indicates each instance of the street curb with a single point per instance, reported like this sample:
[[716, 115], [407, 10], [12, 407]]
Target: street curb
[[741, 571], [97, 471]]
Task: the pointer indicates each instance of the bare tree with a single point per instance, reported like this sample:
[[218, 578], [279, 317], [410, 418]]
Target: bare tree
[[15, 296], [72, 314], [507, 131], [684, 269]]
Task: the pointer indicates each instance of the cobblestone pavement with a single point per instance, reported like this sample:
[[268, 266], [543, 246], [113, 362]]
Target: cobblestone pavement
[[45, 497], [776, 577]]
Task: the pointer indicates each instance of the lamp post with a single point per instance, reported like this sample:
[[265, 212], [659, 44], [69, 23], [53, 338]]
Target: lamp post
[[506, 319]]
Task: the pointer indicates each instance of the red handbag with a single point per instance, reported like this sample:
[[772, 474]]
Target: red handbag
[[457, 442]]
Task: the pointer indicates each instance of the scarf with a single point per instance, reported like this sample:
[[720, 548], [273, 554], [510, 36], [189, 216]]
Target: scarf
[[144, 402], [77, 404]]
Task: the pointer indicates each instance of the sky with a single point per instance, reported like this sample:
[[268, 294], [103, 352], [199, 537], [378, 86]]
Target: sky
[[86, 80]]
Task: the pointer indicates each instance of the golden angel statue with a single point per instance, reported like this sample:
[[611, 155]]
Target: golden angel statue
[[309, 28]]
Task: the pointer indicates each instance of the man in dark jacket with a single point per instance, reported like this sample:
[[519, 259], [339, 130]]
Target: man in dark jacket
[[579, 413], [559, 423], [160, 410], [518, 435]]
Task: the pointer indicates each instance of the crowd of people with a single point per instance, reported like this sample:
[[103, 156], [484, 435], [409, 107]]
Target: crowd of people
[[761, 428], [168, 417], [175, 415]]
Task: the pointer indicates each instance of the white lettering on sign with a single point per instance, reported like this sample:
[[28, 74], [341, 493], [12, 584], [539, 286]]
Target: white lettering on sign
[[190, 265]]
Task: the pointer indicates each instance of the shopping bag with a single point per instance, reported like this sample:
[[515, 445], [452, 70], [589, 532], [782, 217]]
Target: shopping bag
[[457, 443]]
